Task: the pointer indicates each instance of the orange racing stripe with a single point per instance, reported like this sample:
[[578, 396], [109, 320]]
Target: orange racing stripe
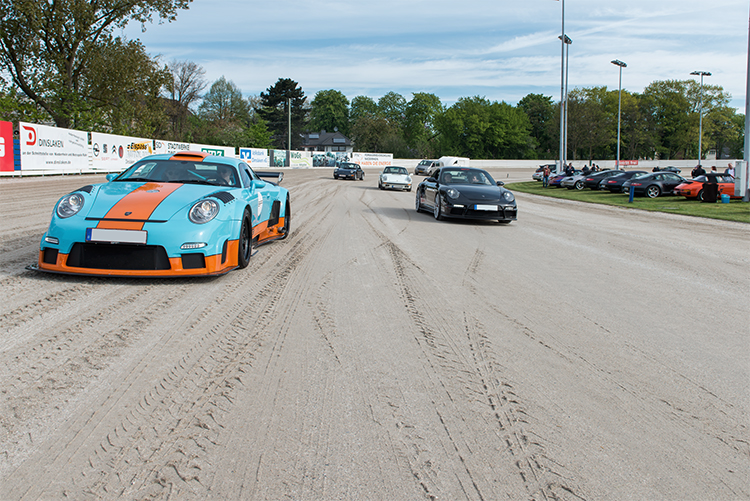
[[140, 203]]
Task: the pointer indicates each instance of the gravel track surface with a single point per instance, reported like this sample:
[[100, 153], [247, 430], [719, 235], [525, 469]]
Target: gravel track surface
[[581, 353]]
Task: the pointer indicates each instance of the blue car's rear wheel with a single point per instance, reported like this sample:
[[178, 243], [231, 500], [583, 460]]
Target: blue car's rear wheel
[[245, 247]]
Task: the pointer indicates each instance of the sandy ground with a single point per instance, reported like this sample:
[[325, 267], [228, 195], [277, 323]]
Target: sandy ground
[[582, 352]]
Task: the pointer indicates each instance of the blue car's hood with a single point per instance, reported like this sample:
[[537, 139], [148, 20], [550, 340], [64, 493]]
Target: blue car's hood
[[141, 201]]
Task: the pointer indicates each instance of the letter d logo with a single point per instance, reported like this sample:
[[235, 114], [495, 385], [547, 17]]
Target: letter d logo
[[30, 135]]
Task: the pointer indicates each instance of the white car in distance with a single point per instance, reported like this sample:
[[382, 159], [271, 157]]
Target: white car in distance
[[394, 178]]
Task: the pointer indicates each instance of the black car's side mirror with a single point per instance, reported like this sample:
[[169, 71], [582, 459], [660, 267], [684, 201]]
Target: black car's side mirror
[[431, 180], [500, 183]]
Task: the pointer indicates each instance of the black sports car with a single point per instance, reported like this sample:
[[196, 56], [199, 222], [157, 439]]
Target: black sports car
[[654, 184], [347, 170], [592, 180], [614, 183], [465, 193]]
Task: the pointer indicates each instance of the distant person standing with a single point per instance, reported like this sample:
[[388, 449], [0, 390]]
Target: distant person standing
[[698, 171], [729, 170], [545, 176]]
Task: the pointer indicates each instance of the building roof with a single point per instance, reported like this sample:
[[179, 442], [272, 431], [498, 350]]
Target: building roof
[[324, 138]]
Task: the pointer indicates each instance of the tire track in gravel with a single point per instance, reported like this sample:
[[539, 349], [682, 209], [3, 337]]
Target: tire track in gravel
[[216, 374], [479, 376]]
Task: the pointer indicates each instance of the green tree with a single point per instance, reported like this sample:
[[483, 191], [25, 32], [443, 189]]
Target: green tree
[[329, 111], [723, 130], [121, 90], [274, 110], [53, 50], [185, 83], [419, 123], [541, 112], [376, 134], [362, 106], [393, 107], [590, 125], [225, 118], [474, 127]]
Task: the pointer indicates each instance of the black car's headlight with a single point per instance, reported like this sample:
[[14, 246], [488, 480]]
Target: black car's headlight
[[70, 205], [203, 211], [453, 193], [508, 196]]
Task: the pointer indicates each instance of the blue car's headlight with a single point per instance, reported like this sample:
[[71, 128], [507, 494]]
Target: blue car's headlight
[[203, 211], [70, 205], [452, 193], [508, 196]]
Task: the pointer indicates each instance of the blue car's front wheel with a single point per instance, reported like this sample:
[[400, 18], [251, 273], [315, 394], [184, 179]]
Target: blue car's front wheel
[[245, 241]]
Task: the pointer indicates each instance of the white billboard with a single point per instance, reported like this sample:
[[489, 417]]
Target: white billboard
[[52, 148], [300, 159], [175, 146], [113, 153], [372, 159], [255, 157], [170, 146]]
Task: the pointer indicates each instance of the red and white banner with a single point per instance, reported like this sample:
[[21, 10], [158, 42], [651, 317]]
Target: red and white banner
[[53, 148], [372, 159]]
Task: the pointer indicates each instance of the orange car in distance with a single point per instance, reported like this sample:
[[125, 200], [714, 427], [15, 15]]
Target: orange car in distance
[[694, 187]]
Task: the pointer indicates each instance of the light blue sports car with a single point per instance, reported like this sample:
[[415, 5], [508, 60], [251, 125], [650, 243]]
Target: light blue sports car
[[183, 214]]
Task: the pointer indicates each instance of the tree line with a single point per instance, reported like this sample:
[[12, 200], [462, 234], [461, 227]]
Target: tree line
[[63, 64]]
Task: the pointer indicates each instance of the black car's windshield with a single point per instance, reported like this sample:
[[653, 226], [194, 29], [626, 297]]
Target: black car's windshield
[[465, 176], [181, 171], [348, 166]]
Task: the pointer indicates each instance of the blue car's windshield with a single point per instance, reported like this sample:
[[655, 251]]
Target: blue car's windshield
[[181, 171]]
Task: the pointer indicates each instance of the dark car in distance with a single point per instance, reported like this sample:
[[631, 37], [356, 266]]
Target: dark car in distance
[[593, 179], [654, 184], [347, 170], [465, 193], [614, 183]]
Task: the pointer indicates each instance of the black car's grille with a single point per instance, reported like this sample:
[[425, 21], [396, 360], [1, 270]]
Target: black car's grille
[[508, 213], [118, 257]]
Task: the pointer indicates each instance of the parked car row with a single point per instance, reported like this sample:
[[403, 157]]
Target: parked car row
[[664, 181]]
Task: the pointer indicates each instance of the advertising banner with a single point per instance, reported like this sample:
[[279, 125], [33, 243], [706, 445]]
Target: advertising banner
[[325, 158], [53, 148], [174, 147], [372, 159], [255, 157], [300, 159], [6, 146], [114, 153], [279, 158], [170, 146]]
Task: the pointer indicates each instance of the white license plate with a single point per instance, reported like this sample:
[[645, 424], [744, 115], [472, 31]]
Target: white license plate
[[485, 207], [118, 236]]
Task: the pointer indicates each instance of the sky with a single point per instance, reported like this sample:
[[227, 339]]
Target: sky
[[501, 50]]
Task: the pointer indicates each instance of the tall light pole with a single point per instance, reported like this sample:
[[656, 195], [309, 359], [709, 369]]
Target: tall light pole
[[567, 41], [700, 114], [622, 65], [562, 91]]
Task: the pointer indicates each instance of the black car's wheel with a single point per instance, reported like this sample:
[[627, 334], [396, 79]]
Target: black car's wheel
[[653, 191], [245, 244], [700, 196], [579, 185], [362, 176], [418, 203], [438, 210], [287, 219], [335, 177]]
